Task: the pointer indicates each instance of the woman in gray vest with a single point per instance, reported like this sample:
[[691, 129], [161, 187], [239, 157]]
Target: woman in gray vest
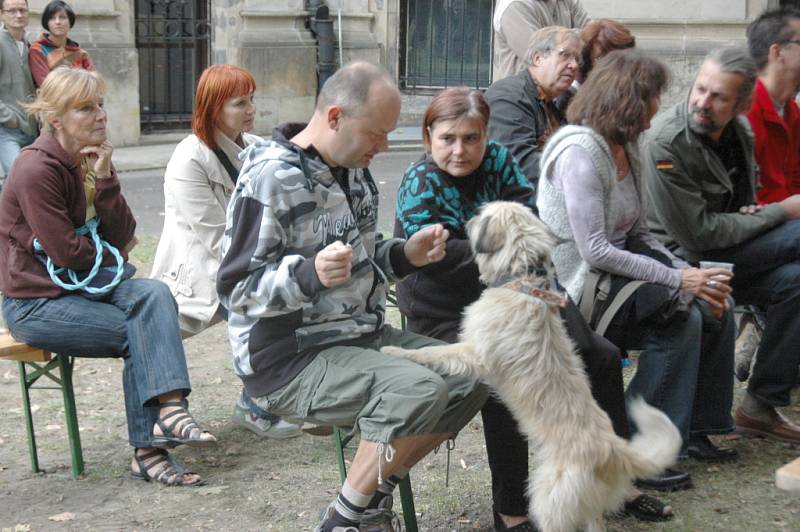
[[591, 196]]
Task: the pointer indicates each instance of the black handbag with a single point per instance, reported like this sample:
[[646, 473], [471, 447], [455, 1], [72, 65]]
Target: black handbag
[[619, 302]]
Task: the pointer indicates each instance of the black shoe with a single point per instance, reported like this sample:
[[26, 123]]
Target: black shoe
[[500, 526], [669, 480], [701, 448]]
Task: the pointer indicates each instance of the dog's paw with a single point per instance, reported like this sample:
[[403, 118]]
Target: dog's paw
[[395, 351], [413, 355]]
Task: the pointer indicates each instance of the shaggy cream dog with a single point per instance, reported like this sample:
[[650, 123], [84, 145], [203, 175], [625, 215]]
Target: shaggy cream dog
[[514, 340]]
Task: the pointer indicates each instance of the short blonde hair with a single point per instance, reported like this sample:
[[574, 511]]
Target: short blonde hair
[[544, 40], [63, 89]]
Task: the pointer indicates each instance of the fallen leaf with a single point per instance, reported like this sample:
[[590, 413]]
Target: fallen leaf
[[52, 427], [211, 490], [35, 408], [64, 516], [22, 528], [712, 469], [463, 464], [8, 375]]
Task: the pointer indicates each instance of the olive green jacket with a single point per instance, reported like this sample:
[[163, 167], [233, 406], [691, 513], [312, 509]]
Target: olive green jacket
[[690, 194]]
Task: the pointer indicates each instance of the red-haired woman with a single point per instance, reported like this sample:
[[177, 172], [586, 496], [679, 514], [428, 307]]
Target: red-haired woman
[[599, 37], [198, 183]]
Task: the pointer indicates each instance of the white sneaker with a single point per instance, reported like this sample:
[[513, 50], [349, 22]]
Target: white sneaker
[[280, 430]]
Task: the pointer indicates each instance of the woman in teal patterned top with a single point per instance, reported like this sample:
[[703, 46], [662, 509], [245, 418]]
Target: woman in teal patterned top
[[461, 171]]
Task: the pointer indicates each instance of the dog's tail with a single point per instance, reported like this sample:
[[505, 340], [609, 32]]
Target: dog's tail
[[657, 443]]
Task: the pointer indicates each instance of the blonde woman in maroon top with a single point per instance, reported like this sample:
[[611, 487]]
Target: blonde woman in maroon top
[[62, 192]]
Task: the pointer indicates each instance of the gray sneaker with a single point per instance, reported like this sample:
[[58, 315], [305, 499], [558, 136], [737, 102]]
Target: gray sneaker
[[281, 430], [382, 518], [326, 514]]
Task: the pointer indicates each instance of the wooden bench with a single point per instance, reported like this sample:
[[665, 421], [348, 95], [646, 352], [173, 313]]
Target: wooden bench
[[34, 363]]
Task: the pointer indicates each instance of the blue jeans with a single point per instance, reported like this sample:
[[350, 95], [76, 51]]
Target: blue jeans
[[767, 273], [686, 371], [11, 142], [137, 322]]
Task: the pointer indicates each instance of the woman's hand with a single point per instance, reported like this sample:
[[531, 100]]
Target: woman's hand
[[99, 158], [712, 285], [426, 245]]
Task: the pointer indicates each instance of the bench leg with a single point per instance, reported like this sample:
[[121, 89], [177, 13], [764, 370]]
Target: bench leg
[[338, 436], [407, 502], [65, 367], [26, 410]]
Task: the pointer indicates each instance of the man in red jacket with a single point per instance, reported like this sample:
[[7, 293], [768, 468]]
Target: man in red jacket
[[774, 42]]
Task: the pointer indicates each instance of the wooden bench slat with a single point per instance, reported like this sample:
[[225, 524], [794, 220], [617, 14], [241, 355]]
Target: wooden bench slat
[[11, 349]]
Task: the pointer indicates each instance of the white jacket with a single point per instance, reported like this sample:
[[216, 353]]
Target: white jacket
[[197, 190]]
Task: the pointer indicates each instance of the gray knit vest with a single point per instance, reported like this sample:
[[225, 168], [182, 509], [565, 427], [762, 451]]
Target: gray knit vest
[[571, 268]]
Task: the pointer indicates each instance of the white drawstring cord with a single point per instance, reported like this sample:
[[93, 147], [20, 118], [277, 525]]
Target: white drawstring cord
[[384, 450]]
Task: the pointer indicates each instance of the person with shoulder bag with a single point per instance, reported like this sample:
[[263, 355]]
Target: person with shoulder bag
[[591, 196]]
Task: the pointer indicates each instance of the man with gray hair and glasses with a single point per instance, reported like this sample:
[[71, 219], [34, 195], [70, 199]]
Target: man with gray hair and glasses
[[523, 113], [701, 179], [514, 21]]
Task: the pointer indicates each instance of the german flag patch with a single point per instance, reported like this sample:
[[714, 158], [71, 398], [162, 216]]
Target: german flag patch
[[664, 165]]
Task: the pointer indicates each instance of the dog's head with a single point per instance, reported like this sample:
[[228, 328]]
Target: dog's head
[[509, 241]]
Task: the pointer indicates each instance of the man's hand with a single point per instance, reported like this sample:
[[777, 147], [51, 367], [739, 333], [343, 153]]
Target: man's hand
[[333, 264], [426, 245], [99, 158], [791, 206]]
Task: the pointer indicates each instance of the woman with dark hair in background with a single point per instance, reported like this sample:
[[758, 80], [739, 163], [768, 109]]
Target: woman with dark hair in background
[[53, 48]]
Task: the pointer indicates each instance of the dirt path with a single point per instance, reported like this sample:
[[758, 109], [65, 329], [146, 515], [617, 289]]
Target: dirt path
[[258, 484]]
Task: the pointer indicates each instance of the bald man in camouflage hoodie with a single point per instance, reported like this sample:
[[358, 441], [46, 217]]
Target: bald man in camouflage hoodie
[[304, 276]]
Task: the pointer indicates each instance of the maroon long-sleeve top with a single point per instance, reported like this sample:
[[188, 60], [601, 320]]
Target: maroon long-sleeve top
[[43, 197]]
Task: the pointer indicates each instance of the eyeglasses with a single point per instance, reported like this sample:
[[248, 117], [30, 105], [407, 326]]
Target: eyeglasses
[[791, 41], [566, 55], [20, 11]]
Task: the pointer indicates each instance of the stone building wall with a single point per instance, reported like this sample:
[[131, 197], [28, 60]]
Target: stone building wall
[[271, 40]]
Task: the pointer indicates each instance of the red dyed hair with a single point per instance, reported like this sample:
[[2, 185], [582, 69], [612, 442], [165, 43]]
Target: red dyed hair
[[454, 103], [217, 84], [607, 35]]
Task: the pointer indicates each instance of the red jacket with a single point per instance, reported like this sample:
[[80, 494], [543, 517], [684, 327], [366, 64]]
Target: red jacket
[[44, 56], [777, 146], [44, 198]]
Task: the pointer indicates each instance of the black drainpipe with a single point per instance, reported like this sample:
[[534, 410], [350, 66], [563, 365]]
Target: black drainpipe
[[321, 25]]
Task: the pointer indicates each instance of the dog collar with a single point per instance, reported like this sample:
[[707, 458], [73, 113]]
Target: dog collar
[[545, 294]]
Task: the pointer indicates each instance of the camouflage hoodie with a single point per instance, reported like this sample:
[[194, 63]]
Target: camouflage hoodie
[[288, 205]]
